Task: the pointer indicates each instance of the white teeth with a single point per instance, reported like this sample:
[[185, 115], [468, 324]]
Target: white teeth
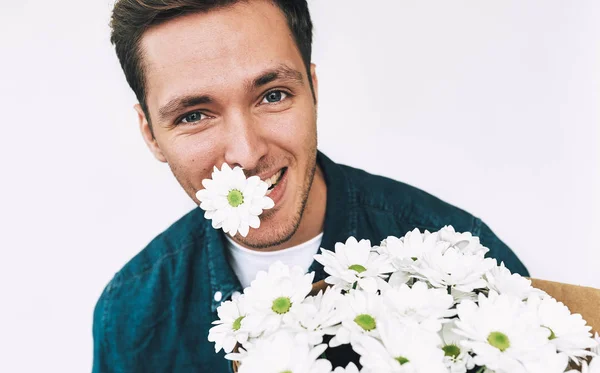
[[273, 179]]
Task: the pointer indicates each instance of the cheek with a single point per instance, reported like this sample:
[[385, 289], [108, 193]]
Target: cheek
[[295, 130], [191, 160]]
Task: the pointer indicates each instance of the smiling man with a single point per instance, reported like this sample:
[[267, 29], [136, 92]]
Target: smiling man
[[232, 82]]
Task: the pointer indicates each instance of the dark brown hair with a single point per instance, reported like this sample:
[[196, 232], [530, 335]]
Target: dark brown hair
[[131, 18]]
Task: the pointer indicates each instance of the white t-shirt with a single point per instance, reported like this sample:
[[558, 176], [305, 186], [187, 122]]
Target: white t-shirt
[[246, 263]]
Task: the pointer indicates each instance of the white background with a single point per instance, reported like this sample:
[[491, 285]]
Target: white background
[[491, 106]]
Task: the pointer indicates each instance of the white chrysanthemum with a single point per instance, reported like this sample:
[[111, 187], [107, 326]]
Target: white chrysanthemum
[[355, 265], [350, 368], [460, 296], [502, 281], [285, 352], [273, 295], [456, 358], [592, 367], [502, 332], [317, 316], [420, 304], [360, 312], [233, 202], [596, 349], [465, 242], [229, 329], [405, 250], [452, 268], [568, 332], [546, 360], [403, 348]]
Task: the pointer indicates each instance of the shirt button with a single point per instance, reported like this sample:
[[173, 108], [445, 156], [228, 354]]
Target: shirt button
[[218, 296]]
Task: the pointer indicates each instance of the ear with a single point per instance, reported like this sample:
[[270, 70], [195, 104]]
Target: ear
[[148, 135], [315, 81]]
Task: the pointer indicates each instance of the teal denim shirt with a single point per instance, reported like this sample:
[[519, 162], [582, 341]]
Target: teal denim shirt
[[155, 313]]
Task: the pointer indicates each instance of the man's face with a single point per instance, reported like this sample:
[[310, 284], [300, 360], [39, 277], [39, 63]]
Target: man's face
[[229, 85]]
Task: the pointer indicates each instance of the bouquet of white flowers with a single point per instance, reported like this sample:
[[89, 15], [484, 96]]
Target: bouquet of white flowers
[[426, 302]]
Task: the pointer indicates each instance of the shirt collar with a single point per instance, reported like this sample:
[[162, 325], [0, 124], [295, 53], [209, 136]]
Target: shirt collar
[[340, 214]]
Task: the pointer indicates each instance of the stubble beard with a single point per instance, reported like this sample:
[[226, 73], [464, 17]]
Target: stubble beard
[[284, 232]]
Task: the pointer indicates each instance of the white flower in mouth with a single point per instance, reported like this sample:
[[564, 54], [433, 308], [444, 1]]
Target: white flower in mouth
[[355, 265], [229, 329], [568, 332], [273, 296], [233, 202]]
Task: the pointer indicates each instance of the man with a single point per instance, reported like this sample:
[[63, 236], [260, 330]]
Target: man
[[231, 81]]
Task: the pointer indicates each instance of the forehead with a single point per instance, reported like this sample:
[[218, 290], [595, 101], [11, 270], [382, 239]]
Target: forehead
[[213, 51]]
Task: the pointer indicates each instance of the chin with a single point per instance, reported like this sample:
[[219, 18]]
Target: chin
[[270, 234]]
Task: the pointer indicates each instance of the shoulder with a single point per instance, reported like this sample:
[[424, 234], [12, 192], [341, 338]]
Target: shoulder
[[389, 207], [148, 287], [179, 237], [404, 202], [160, 255]]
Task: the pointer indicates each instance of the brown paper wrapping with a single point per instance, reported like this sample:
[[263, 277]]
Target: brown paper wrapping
[[579, 299]]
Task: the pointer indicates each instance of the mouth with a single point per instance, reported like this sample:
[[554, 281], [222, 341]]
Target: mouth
[[274, 180]]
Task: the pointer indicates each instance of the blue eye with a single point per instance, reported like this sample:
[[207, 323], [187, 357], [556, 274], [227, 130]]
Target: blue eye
[[193, 117], [274, 97]]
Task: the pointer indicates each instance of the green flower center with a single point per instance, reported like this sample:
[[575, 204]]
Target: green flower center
[[287, 371], [552, 335], [237, 323], [365, 321], [357, 267], [235, 198], [499, 340], [281, 305], [451, 350], [402, 360]]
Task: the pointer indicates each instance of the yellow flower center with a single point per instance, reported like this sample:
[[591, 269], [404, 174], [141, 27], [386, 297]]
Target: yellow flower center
[[281, 305], [499, 340], [365, 321], [357, 267], [235, 198]]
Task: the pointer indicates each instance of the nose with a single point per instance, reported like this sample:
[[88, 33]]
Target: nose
[[246, 146]]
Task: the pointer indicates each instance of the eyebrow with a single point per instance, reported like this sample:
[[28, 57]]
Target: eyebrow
[[281, 72]]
